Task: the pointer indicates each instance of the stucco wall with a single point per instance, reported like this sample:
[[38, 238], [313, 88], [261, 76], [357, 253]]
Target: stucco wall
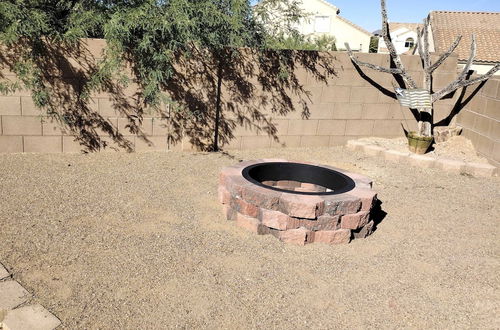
[[341, 30], [346, 106]]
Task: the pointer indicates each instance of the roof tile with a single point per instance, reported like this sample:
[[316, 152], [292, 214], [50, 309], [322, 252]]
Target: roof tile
[[447, 25]]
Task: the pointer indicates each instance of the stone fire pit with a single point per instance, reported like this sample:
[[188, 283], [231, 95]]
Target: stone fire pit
[[297, 202]]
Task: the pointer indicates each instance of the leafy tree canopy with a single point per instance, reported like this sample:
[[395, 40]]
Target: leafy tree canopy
[[147, 32], [149, 37]]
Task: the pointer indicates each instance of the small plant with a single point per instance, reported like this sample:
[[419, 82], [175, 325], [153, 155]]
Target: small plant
[[425, 119]]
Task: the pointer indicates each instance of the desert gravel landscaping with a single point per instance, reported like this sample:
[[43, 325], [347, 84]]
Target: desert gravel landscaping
[[138, 241]]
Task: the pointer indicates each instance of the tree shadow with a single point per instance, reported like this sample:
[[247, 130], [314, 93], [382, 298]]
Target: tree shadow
[[382, 89], [64, 75], [258, 86], [460, 103], [254, 92]]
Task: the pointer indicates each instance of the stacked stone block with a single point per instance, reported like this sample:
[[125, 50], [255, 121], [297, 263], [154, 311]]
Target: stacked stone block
[[297, 218]]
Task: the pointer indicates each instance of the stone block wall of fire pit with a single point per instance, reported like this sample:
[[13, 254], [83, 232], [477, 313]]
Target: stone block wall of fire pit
[[297, 212]]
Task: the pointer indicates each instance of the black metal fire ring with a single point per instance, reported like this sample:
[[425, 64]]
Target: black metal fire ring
[[277, 171]]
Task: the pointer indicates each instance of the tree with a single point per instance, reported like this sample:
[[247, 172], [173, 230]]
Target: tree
[[152, 38], [425, 121], [373, 44]]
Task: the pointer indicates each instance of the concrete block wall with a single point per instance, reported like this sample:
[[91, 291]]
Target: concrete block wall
[[480, 120], [347, 106]]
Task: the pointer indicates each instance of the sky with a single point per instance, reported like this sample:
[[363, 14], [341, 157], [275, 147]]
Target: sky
[[366, 13]]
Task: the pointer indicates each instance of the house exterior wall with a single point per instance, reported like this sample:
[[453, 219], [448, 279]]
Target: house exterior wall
[[480, 68], [338, 28], [399, 38]]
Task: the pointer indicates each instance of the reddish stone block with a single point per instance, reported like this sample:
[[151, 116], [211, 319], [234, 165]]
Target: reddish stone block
[[269, 183], [367, 197], [274, 219], [301, 189], [261, 197], [241, 206], [354, 221], [324, 222], [249, 223], [295, 236], [301, 206], [224, 195], [341, 236], [310, 186], [288, 184], [228, 173], [235, 185], [328, 222], [359, 178], [364, 231], [341, 204]]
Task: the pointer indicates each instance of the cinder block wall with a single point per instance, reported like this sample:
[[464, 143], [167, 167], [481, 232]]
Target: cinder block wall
[[480, 120], [347, 106]]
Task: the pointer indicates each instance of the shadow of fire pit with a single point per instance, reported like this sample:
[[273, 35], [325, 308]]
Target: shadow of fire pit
[[298, 202]]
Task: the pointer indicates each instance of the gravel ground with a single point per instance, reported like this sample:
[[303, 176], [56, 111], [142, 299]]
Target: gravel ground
[[128, 241]]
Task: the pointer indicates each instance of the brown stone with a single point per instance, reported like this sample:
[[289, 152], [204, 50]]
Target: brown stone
[[274, 219], [364, 231], [295, 236], [367, 197], [325, 222], [443, 134], [344, 204], [354, 221], [228, 173], [288, 184], [269, 183], [341, 236], [249, 223], [261, 197], [301, 206], [241, 206]]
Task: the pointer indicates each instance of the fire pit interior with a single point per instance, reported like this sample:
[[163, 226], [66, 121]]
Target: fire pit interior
[[298, 178], [297, 202]]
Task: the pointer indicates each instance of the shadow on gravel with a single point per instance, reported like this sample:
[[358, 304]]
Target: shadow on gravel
[[377, 214]]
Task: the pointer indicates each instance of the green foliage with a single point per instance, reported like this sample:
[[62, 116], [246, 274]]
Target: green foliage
[[373, 44], [149, 36], [322, 43]]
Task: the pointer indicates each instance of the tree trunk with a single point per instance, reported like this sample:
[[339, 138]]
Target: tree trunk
[[217, 106], [425, 122]]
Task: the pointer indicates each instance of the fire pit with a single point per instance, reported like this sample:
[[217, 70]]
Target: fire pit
[[297, 202]]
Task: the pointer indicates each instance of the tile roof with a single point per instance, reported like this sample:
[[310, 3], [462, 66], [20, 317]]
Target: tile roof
[[447, 25]]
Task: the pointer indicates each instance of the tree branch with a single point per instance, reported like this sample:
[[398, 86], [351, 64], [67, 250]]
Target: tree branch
[[444, 56], [392, 50], [470, 60], [369, 65], [460, 81], [484, 77]]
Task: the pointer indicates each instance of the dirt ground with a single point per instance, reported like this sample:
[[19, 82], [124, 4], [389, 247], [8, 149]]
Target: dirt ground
[[138, 241]]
